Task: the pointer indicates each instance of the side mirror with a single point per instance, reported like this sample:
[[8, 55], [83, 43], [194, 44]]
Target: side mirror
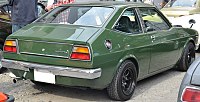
[[192, 22]]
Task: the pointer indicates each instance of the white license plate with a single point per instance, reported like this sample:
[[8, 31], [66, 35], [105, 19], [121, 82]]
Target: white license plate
[[44, 76]]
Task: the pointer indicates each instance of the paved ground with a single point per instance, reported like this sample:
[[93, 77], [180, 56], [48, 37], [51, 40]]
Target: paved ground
[[159, 88]]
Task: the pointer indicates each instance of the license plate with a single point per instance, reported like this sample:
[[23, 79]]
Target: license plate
[[44, 76]]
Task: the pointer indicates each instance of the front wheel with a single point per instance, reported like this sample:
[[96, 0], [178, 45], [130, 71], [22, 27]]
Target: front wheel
[[123, 84], [187, 58]]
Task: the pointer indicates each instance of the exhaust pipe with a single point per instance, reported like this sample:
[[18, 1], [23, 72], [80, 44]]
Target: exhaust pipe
[[18, 79], [15, 79]]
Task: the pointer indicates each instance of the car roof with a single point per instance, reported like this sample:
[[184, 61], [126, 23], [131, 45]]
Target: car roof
[[110, 3]]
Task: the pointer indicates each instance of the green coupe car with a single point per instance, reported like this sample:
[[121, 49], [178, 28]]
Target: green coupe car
[[99, 45]]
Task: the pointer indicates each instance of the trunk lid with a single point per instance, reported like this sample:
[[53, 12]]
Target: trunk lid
[[52, 40]]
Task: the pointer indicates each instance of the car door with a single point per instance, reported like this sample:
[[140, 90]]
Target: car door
[[136, 42], [164, 49]]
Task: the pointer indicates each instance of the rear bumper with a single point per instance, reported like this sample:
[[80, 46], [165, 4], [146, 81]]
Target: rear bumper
[[56, 70]]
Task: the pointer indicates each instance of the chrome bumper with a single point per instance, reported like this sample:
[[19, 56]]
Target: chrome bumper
[[56, 70]]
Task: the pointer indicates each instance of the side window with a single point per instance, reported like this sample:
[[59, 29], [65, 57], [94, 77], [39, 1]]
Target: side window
[[128, 22], [152, 20]]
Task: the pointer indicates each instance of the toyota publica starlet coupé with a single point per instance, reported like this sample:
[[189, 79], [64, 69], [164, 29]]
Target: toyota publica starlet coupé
[[99, 45]]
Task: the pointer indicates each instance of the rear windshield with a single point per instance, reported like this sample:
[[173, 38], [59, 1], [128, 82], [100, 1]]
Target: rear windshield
[[87, 16]]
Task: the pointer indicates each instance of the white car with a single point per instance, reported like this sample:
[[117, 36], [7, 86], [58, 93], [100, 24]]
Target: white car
[[181, 11]]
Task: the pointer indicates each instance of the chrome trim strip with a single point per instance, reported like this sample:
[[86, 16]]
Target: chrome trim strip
[[45, 42], [56, 70], [46, 55]]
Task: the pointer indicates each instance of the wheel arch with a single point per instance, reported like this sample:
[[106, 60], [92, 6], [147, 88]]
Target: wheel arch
[[133, 59], [190, 40], [187, 42]]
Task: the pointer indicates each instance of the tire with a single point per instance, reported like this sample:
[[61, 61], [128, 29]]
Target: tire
[[123, 84], [187, 58]]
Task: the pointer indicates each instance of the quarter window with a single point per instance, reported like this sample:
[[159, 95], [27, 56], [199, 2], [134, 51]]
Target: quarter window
[[128, 22], [152, 20]]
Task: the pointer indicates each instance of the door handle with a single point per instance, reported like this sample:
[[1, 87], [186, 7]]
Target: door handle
[[153, 37]]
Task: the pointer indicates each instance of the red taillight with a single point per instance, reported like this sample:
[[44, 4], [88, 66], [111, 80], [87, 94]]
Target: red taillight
[[80, 56], [80, 53], [3, 97], [10, 46], [191, 95]]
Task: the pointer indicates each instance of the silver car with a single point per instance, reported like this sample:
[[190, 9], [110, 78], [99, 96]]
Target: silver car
[[190, 87]]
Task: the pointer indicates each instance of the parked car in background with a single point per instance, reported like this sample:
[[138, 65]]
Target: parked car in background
[[190, 87], [181, 11], [5, 22], [99, 45]]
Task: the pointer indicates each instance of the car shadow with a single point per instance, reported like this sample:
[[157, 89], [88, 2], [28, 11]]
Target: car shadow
[[72, 92], [101, 95]]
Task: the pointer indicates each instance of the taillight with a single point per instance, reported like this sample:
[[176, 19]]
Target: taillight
[[191, 95], [10, 46], [3, 97], [80, 53]]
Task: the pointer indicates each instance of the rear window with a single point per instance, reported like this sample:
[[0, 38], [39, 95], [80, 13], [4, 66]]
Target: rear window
[[91, 16]]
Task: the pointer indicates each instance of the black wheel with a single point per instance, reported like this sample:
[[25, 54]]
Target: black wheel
[[187, 58], [123, 84]]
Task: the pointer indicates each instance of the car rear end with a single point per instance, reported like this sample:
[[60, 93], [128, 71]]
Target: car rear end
[[57, 48], [48, 59], [190, 87]]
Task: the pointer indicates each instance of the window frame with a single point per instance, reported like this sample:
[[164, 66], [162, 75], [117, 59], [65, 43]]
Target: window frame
[[134, 9], [159, 14]]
